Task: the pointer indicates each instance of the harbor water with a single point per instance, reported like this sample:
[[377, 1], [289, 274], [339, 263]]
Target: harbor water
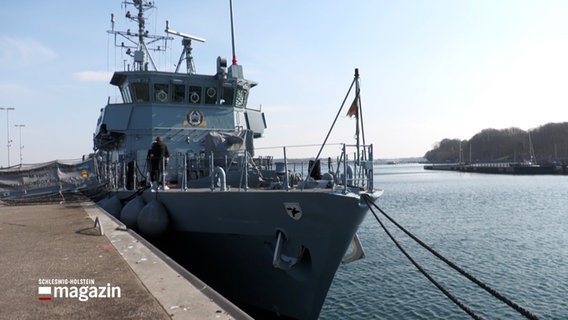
[[508, 231]]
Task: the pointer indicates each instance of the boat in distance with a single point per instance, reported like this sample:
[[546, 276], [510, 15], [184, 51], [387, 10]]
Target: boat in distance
[[267, 237]]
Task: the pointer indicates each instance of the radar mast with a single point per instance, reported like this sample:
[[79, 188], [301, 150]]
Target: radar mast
[[137, 44]]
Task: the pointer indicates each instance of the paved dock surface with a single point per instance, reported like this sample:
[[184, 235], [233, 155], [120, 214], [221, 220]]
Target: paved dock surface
[[48, 252]]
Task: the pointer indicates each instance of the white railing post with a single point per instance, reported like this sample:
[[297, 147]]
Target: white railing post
[[184, 184], [245, 168], [371, 177], [163, 172], [212, 187], [286, 182], [344, 169]]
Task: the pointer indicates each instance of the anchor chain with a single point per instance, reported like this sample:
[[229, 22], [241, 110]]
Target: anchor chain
[[527, 314]]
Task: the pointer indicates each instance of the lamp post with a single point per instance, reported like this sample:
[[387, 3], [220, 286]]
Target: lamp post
[[21, 146], [8, 132]]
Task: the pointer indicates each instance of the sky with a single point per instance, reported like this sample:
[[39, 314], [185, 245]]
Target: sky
[[430, 69]]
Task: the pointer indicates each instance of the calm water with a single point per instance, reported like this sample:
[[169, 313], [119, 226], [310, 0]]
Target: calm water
[[511, 232]]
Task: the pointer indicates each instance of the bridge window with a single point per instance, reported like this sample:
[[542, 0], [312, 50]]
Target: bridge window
[[228, 94], [210, 95], [125, 91], [194, 94], [161, 92], [179, 93], [141, 91]]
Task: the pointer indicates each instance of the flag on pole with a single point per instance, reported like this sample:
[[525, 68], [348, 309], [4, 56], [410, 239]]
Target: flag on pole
[[354, 109]]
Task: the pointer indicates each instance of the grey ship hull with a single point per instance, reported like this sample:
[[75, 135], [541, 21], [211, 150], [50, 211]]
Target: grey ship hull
[[228, 239]]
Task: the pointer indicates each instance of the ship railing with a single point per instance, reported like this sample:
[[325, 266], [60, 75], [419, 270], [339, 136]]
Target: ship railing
[[117, 172], [353, 167], [362, 171], [351, 170], [216, 167], [290, 171], [111, 173]]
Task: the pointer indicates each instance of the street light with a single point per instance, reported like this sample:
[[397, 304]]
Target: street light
[[8, 132], [21, 146]]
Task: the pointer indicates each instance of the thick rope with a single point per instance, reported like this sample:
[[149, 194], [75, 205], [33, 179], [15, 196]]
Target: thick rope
[[136, 193], [527, 314], [424, 272]]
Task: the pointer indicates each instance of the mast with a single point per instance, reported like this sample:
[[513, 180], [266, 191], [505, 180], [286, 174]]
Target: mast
[[233, 33], [235, 70], [358, 112], [141, 55], [135, 45], [531, 151]]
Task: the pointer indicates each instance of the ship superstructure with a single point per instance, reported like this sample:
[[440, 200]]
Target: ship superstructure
[[183, 107]]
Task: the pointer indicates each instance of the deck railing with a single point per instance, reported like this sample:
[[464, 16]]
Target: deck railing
[[352, 169]]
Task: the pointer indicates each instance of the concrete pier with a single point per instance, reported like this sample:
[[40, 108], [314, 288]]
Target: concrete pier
[[55, 265]]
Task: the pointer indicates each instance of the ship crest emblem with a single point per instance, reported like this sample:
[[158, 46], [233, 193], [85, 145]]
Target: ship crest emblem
[[293, 210], [194, 118]]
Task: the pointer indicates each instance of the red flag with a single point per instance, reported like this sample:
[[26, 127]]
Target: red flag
[[354, 109]]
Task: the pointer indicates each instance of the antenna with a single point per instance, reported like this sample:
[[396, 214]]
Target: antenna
[[183, 35], [186, 42], [135, 44], [233, 33]]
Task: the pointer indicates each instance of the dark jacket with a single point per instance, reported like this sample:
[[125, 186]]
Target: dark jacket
[[158, 150]]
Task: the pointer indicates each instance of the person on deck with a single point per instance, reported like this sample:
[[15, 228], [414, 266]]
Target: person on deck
[[158, 156]]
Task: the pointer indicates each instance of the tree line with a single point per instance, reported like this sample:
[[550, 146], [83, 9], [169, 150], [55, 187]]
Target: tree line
[[549, 143]]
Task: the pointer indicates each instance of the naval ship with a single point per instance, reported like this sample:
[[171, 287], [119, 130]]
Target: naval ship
[[267, 237]]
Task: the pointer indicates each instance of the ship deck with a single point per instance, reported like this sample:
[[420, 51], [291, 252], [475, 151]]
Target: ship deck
[[56, 245], [253, 189]]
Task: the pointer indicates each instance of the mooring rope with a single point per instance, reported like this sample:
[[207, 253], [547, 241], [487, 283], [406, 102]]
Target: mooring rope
[[136, 193], [527, 314], [424, 272]]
